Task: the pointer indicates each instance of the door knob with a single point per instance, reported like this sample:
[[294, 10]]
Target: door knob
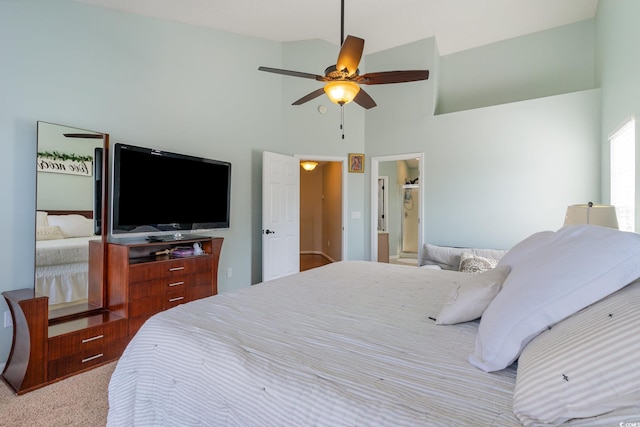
[[269, 232]]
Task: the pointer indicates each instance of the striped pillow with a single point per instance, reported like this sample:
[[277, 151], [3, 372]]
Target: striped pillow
[[586, 365]]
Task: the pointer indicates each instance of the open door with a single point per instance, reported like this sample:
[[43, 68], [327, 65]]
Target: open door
[[280, 215]]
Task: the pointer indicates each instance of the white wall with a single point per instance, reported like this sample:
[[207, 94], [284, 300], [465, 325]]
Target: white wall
[[497, 174], [618, 38], [493, 175], [546, 63]]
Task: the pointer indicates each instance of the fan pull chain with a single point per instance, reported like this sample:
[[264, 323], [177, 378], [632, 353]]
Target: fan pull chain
[[342, 120]]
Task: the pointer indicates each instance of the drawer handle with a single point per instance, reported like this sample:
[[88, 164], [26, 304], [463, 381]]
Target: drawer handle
[[176, 269], [97, 337], [89, 359], [176, 284], [175, 299]]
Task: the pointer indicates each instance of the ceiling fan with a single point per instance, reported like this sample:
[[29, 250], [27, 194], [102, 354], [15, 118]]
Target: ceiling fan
[[343, 79]]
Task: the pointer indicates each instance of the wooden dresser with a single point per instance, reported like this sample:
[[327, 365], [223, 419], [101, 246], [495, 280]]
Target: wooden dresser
[[143, 279], [45, 351], [141, 282]]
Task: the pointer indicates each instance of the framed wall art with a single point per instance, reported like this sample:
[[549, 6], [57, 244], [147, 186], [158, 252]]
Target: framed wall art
[[356, 162]]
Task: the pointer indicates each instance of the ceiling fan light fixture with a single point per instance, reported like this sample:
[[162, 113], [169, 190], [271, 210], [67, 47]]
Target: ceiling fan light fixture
[[308, 165], [341, 91]]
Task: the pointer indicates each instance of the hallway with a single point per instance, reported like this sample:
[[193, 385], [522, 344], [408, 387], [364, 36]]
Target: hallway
[[309, 261]]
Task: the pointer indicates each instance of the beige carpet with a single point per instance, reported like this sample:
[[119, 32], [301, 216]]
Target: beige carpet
[[77, 401]]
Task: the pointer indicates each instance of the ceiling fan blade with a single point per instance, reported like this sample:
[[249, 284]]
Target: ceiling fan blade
[[309, 97], [293, 73], [350, 54], [386, 77], [364, 100]]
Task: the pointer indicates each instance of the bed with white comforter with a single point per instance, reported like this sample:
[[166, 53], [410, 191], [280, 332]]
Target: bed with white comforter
[[357, 343], [62, 269], [62, 255]]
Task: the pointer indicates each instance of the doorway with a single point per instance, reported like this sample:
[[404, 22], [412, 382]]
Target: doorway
[[321, 214], [281, 206], [396, 225]]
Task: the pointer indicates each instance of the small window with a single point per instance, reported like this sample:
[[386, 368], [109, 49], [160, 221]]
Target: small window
[[623, 175]]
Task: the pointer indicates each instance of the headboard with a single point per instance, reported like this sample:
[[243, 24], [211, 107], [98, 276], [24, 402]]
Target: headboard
[[86, 214]]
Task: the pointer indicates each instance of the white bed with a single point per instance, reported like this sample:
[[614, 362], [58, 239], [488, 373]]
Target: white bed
[[62, 256], [354, 343], [62, 269]]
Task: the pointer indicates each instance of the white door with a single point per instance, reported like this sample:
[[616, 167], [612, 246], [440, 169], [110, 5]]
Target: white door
[[383, 203], [280, 215]]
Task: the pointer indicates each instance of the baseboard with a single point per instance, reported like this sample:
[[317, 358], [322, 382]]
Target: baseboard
[[322, 254], [412, 255], [328, 257], [310, 252]]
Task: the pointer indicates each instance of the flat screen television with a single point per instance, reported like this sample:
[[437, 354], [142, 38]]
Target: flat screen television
[[162, 195]]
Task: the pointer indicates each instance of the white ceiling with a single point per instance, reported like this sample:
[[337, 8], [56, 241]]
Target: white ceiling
[[457, 24]]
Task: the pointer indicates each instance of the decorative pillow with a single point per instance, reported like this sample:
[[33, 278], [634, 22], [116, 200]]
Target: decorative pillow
[[472, 296], [586, 365], [48, 232], [448, 258], [41, 219], [470, 263], [72, 225], [578, 266]]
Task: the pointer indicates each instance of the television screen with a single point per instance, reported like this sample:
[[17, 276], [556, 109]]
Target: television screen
[[161, 192]]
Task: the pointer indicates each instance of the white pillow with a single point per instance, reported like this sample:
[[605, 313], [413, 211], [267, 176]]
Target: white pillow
[[586, 365], [472, 296], [41, 219], [431, 267], [523, 249], [578, 266], [48, 232], [72, 225], [470, 263]]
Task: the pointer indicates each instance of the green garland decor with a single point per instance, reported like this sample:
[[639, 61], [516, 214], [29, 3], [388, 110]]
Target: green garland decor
[[61, 156]]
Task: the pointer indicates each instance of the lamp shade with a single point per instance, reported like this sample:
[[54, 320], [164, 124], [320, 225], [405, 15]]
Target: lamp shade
[[602, 215], [308, 165], [341, 91]]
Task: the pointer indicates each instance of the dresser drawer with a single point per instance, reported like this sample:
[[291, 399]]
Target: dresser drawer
[[152, 304], [198, 292], [76, 362], [139, 290], [86, 339], [171, 299], [201, 279], [148, 288], [171, 268]]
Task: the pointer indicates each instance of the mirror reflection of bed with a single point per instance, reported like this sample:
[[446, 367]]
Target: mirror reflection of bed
[[68, 251], [62, 258]]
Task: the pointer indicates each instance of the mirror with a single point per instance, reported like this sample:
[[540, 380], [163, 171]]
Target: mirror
[[70, 205]]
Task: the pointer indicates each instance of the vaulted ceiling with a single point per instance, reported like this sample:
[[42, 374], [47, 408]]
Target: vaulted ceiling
[[457, 24]]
